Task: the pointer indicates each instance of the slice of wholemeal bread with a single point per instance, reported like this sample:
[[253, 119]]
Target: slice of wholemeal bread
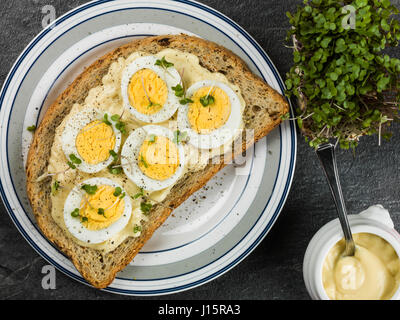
[[264, 108]]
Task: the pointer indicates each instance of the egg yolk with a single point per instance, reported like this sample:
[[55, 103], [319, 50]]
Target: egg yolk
[[111, 208], [147, 92], [95, 141], [158, 158], [205, 119]]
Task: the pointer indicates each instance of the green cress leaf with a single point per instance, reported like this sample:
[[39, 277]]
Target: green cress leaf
[[115, 118], [179, 136], [139, 194], [117, 192], [106, 121], [145, 207], [75, 213], [285, 116], [152, 138], [54, 187], [114, 155], [345, 81], [71, 165], [152, 104], [101, 211], [31, 128], [121, 126], [143, 161], [137, 228], [164, 63], [89, 189], [113, 170], [74, 159], [179, 91], [207, 100], [185, 101]]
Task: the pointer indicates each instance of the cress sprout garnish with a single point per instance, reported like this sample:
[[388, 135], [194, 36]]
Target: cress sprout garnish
[[54, 187], [139, 194], [180, 93], [185, 101], [137, 229], [117, 192], [345, 85], [119, 125], [75, 213], [106, 121], [89, 189], [163, 63], [180, 136], [74, 161], [143, 161], [145, 207], [207, 100], [114, 155], [113, 168], [31, 128], [152, 138]]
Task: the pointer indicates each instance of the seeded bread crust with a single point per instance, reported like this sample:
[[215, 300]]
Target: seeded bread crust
[[264, 108]]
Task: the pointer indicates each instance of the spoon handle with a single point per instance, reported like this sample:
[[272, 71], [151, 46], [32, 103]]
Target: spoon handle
[[326, 155]]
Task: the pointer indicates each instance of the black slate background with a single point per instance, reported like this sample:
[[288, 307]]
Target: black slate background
[[274, 269]]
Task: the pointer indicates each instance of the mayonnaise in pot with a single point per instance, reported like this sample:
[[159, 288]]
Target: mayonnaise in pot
[[373, 273]]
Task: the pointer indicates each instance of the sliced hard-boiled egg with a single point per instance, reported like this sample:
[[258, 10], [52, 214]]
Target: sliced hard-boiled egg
[[213, 118], [88, 138], [97, 209], [146, 89], [152, 158]]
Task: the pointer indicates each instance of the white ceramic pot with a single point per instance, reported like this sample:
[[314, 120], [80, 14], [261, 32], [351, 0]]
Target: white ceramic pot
[[375, 220]]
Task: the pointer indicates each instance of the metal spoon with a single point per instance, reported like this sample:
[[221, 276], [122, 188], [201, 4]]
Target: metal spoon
[[326, 155]]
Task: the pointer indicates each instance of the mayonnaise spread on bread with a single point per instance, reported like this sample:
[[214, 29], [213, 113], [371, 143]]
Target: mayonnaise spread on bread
[[107, 97]]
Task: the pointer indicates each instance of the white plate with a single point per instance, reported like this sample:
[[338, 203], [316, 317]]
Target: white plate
[[214, 229]]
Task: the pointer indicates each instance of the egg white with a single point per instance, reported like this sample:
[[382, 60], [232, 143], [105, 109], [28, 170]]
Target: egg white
[[72, 128], [78, 230], [171, 78], [217, 137], [130, 154]]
